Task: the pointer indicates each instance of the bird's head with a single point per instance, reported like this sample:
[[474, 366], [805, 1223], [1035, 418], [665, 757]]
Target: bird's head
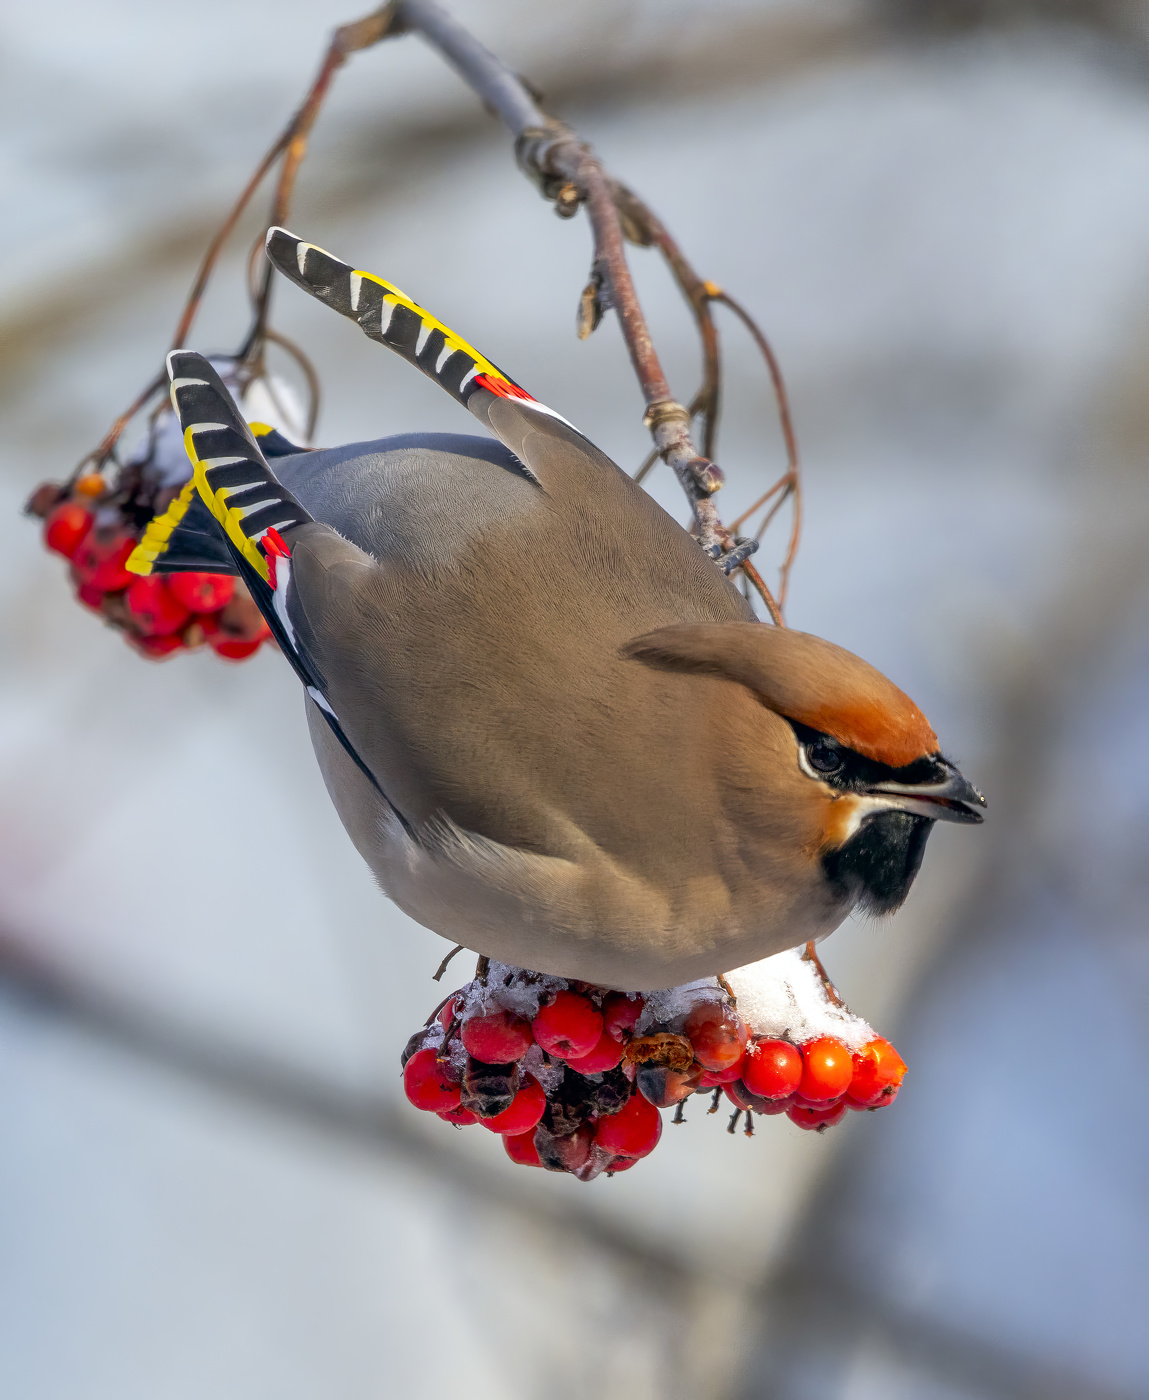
[[857, 752]]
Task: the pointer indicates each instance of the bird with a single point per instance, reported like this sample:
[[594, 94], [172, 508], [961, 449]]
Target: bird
[[555, 731]]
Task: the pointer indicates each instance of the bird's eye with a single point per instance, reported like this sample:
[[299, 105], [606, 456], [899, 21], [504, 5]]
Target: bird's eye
[[823, 758]]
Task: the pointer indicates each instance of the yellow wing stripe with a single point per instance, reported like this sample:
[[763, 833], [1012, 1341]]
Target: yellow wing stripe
[[216, 502], [432, 323], [159, 532], [160, 528]]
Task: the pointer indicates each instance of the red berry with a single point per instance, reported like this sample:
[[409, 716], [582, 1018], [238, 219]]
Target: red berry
[[884, 1102], [631, 1132], [90, 596], [816, 1119], [714, 1078], [99, 560], [66, 527], [463, 1116], [524, 1113], [232, 650], [447, 1014], [426, 1084], [741, 1097], [878, 1074], [605, 1055], [521, 1148], [621, 1164], [620, 1014], [772, 1068], [827, 1068], [202, 593], [498, 1037], [158, 647], [718, 1034], [156, 610], [569, 1027]]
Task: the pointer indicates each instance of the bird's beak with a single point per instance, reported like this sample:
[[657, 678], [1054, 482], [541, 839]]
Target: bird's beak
[[950, 799]]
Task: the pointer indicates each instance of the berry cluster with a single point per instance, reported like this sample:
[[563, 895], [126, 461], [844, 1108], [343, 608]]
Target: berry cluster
[[158, 614], [573, 1076]]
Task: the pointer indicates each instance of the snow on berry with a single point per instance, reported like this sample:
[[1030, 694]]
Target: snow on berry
[[774, 1038]]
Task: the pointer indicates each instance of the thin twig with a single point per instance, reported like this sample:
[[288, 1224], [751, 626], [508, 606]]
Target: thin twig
[[458, 948], [291, 143], [811, 956], [561, 164], [792, 481]]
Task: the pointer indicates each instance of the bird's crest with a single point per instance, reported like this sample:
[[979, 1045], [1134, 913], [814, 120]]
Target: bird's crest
[[802, 678]]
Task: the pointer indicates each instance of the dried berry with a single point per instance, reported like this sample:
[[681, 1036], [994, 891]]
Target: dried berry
[[489, 1090]]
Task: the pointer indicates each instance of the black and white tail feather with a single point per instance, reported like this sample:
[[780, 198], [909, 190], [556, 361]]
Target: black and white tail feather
[[234, 507]]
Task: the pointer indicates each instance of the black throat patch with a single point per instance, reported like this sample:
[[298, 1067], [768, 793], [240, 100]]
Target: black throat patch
[[875, 868]]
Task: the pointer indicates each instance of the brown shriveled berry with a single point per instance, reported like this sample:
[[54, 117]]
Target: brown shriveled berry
[[41, 501], [489, 1090], [567, 1153], [662, 1086]]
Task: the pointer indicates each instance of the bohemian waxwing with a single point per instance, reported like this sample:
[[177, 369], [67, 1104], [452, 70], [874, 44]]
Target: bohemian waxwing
[[550, 724]]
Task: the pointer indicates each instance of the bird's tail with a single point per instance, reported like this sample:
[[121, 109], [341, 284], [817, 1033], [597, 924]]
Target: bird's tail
[[221, 521]]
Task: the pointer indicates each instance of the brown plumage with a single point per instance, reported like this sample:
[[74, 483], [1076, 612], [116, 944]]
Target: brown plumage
[[802, 678]]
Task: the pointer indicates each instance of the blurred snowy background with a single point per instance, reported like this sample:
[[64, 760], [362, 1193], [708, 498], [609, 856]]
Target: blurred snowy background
[[209, 1182]]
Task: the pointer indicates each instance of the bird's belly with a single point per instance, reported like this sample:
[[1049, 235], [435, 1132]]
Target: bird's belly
[[582, 918]]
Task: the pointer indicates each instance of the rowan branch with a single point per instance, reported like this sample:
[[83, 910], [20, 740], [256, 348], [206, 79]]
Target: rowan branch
[[568, 172]]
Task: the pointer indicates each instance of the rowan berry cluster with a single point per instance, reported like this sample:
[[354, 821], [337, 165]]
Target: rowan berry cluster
[[573, 1076], [158, 614]]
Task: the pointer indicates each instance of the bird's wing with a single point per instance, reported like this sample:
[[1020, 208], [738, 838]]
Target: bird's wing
[[387, 315], [255, 517]]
